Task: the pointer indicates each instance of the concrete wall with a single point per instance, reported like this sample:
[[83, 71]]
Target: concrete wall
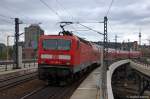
[[110, 72]]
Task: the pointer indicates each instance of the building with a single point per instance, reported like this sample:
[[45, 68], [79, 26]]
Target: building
[[2, 47], [122, 46], [32, 34], [29, 53], [2, 51], [130, 45]]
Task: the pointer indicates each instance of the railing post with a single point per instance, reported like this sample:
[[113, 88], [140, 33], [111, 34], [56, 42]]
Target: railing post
[[24, 65], [6, 67]]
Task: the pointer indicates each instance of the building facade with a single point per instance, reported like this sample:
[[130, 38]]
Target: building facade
[[122, 46], [3, 51], [32, 34]]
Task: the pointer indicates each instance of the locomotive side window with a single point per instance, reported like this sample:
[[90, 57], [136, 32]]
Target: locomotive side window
[[56, 44]]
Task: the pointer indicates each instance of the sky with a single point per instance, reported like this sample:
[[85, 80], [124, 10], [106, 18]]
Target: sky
[[126, 18]]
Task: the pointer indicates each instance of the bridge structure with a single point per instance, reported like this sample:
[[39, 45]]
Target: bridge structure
[[141, 70], [99, 83]]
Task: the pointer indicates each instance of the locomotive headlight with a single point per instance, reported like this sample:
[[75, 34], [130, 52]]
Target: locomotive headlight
[[66, 57], [67, 63], [46, 56]]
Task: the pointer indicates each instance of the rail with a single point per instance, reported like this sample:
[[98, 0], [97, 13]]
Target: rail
[[15, 80], [57, 92]]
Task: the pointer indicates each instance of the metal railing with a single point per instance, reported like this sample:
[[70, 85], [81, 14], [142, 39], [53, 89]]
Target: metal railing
[[144, 64], [10, 64]]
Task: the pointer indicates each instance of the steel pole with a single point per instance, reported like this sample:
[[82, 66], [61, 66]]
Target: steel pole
[[16, 41], [8, 47]]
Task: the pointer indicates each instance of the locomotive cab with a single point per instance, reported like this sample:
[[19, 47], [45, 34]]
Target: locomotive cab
[[65, 57], [55, 56], [55, 51]]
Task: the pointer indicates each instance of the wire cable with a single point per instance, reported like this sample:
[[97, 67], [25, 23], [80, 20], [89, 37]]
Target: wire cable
[[15, 12], [90, 29], [61, 6], [108, 11], [3, 16], [110, 26], [50, 8], [6, 21]]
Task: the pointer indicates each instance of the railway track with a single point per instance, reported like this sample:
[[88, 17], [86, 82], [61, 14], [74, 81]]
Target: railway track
[[51, 92], [55, 92], [15, 80]]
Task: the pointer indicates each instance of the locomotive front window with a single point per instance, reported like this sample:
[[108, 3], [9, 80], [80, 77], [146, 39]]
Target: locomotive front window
[[64, 44], [50, 44], [56, 44]]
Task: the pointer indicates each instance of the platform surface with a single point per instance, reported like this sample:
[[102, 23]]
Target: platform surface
[[89, 87]]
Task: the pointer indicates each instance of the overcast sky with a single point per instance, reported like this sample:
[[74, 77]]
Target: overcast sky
[[126, 17]]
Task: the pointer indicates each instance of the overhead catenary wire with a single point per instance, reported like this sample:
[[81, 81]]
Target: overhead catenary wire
[[90, 29], [16, 13], [110, 27], [109, 8], [81, 35], [58, 14], [70, 14], [4, 16], [82, 26], [61, 6], [107, 14], [11, 10], [6, 21], [80, 22], [50, 8]]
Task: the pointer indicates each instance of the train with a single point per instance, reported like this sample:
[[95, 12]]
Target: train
[[62, 58]]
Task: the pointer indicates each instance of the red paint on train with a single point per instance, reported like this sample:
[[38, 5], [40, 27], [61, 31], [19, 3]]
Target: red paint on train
[[64, 55]]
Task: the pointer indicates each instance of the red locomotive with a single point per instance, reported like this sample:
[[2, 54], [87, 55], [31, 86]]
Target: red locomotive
[[64, 56], [61, 56]]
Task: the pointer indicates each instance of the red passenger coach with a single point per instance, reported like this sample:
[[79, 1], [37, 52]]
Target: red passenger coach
[[61, 56]]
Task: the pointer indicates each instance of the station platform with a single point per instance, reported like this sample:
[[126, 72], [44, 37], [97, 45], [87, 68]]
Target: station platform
[[17, 72], [88, 89]]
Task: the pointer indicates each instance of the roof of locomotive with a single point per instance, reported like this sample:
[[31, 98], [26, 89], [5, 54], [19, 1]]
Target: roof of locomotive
[[58, 36], [65, 36], [84, 41]]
